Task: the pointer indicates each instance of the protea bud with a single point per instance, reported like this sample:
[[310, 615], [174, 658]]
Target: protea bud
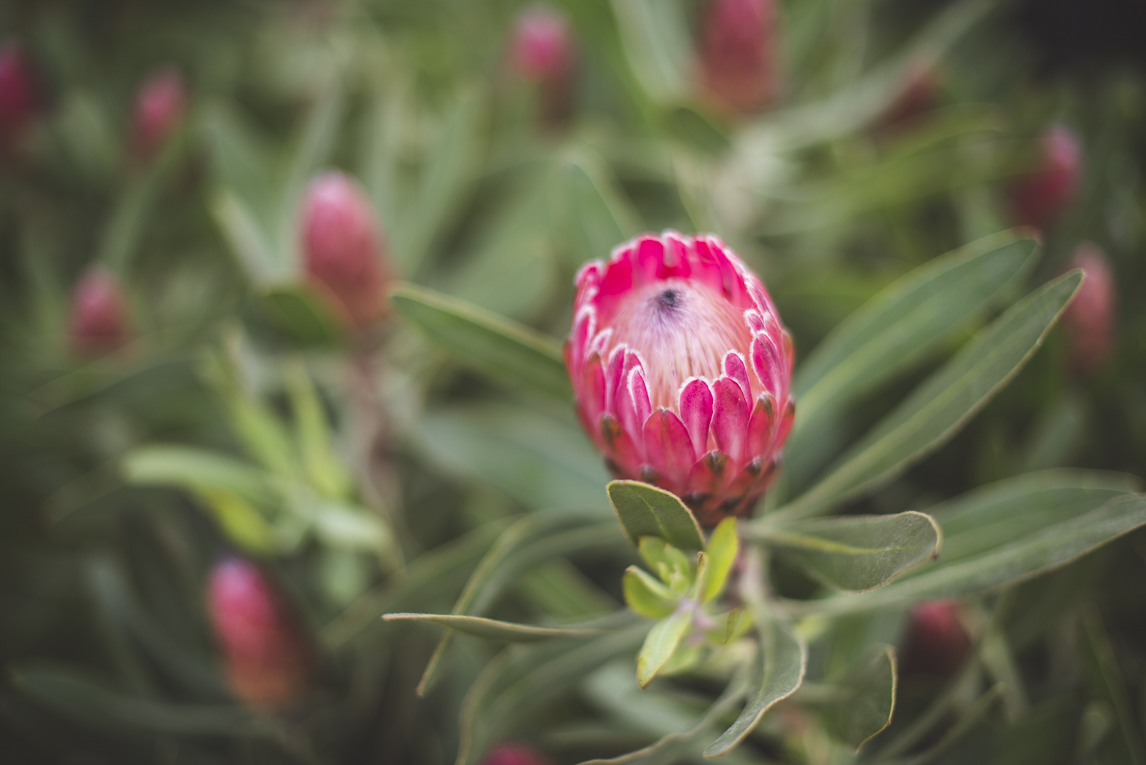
[[542, 52], [919, 95], [680, 370], [267, 661], [159, 106], [936, 643], [1040, 197], [17, 93], [99, 320], [1090, 317], [738, 54], [343, 248], [510, 753]]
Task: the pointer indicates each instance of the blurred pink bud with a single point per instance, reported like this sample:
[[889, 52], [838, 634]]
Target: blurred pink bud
[[159, 106], [510, 753], [268, 663], [1040, 197], [1090, 317], [99, 321], [17, 93], [343, 250], [919, 95], [936, 642], [738, 53], [680, 371], [542, 51]]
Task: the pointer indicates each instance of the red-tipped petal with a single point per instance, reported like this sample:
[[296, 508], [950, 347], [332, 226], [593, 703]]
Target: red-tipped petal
[[667, 447], [696, 413], [766, 364], [785, 426], [761, 426], [622, 451], [634, 408], [730, 418], [592, 395], [735, 368]]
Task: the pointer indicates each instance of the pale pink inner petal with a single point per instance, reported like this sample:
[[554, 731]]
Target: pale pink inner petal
[[735, 368], [730, 418], [696, 412]]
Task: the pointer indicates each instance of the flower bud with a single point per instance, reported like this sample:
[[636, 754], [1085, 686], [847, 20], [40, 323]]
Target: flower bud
[[343, 248], [542, 52], [738, 54], [99, 320], [159, 106], [267, 661], [510, 753], [919, 95], [1090, 317], [17, 94], [1040, 197], [680, 370], [936, 643]]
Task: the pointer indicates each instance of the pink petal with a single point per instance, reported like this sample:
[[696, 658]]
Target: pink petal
[[785, 424], [676, 260], [754, 321], [761, 426], [730, 418], [633, 408], [592, 393], [649, 260], [613, 374], [667, 446], [735, 368], [789, 349], [579, 337], [621, 455], [706, 474], [696, 412], [766, 363]]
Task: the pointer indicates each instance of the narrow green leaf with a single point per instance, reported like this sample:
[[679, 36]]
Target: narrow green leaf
[[863, 699], [856, 552], [197, 470], [240, 521], [945, 401], [721, 551], [312, 431], [663, 557], [509, 632], [503, 349], [297, 312], [247, 239], [645, 510], [646, 595], [659, 645], [596, 215], [658, 46]]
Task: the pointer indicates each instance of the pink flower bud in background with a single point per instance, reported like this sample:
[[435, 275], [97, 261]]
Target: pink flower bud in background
[[99, 320], [510, 753], [738, 54], [159, 106], [1042, 196], [919, 95], [1090, 317], [680, 371], [17, 94], [267, 661], [542, 52], [343, 248], [935, 643]]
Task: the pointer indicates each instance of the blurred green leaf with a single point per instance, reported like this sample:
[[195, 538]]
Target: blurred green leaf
[[493, 629], [662, 640], [247, 238], [658, 46], [301, 315], [323, 468], [645, 510], [595, 213], [722, 547], [646, 595], [240, 521], [863, 699], [197, 470], [855, 552]]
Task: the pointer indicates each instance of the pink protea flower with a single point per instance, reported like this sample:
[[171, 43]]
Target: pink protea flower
[[1040, 197], [511, 753], [343, 249], [739, 59], [1090, 317], [541, 51], [680, 370], [267, 661], [17, 94], [99, 321], [936, 642], [159, 107]]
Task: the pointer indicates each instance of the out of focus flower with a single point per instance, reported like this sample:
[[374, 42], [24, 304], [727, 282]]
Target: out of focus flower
[[542, 52], [267, 661], [1040, 197], [99, 321], [936, 643], [739, 54], [919, 95], [680, 369], [510, 753], [17, 93], [343, 248], [159, 107], [1090, 317]]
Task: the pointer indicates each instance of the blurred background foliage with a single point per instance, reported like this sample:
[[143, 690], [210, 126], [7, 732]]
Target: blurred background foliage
[[369, 471]]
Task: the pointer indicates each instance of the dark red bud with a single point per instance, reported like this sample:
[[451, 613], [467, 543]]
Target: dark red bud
[[159, 107], [1090, 319], [542, 51], [919, 95], [511, 753], [17, 93], [99, 321], [936, 642], [267, 661], [343, 248], [738, 53], [1042, 196]]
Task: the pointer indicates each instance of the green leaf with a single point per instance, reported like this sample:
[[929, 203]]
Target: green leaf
[[721, 551], [312, 431], [493, 629], [501, 348], [596, 215], [197, 470], [856, 552], [660, 643], [777, 671], [862, 701], [240, 521], [646, 595], [663, 558], [645, 510], [658, 46], [297, 312], [945, 401], [247, 238]]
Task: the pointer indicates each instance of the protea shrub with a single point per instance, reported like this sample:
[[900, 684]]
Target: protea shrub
[[266, 659], [17, 94], [1090, 319], [936, 643], [159, 107], [680, 368], [343, 249], [1043, 195], [99, 322], [542, 52], [739, 59]]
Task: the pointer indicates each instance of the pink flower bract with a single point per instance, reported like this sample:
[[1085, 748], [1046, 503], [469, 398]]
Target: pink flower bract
[[1042, 196], [99, 321], [512, 753], [159, 107], [680, 369], [1090, 318], [17, 93], [739, 61]]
